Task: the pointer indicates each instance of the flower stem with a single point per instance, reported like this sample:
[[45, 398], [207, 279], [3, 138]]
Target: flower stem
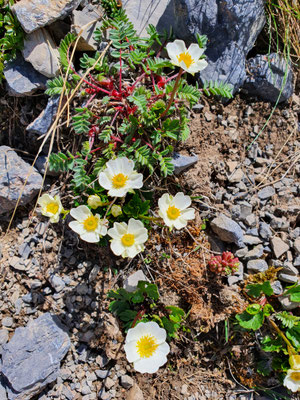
[[173, 93], [291, 349], [138, 316]]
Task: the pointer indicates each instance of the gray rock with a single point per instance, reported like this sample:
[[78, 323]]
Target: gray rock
[[241, 253], [228, 230], [126, 381], [277, 288], [181, 162], [13, 173], [83, 17], [38, 348], [42, 123], [7, 321], [267, 78], [22, 79], [250, 220], [266, 193], [289, 269], [246, 209], [40, 50], [249, 239], [297, 261], [255, 253], [41, 166], [232, 28], [296, 245], [265, 231], [132, 281], [279, 246], [3, 337], [288, 278], [24, 250], [102, 373], [254, 266], [287, 304], [34, 14], [57, 282]]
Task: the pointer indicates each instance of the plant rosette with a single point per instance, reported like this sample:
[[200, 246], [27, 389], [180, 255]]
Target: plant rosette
[[50, 207], [119, 177], [174, 210], [146, 347], [188, 59], [128, 240], [89, 227]]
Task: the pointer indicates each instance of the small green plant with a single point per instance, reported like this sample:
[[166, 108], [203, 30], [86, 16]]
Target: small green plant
[[11, 34], [143, 305]]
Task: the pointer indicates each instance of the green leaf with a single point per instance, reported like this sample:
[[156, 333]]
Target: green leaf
[[272, 345], [294, 292], [64, 49], [256, 289], [268, 310], [152, 291], [293, 334], [118, 306], [253, 309], [55, 86], [138, 297], [249, 321], [169, 326], [288, 320], [136, 206], [127, 315]]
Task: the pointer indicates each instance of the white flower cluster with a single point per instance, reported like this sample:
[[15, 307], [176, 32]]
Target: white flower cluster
[[127, 240]]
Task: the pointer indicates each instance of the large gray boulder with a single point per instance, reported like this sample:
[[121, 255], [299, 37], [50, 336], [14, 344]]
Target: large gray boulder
[[270, 78], [34, 14], [13, 173], [31, 359], [22, 79], [232, 27]]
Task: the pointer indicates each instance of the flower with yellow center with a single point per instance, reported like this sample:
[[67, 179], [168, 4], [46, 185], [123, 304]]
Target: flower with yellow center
[[90, 227], [50, 207], [128, 240], [94, 201], [119, 177], [292, 379], [146, 347], [188, 59], [174, 210], [116, 210]]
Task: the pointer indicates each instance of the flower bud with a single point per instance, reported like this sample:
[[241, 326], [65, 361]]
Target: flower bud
[[94, 201], [116, 210]]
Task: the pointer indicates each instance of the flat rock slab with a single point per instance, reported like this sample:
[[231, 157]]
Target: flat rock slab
[[34, 14], [31, 359], [13, 173], [22, 79]]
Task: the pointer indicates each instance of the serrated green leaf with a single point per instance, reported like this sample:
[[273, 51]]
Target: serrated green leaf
[[127, 315], [256, 289]]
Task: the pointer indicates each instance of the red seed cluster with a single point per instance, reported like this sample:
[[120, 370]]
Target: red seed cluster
[[225, 264]]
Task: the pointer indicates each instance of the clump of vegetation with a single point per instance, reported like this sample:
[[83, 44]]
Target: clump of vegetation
[[11, 34]]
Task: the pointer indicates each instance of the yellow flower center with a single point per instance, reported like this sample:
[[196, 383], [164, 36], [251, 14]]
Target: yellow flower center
[[173, 212], [295, 376], [186, 58], [127, 239], [146, 346], [52, 208], [91, 223], [119, 181]]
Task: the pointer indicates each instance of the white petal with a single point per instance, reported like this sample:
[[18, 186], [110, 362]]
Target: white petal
[[118, 192], [195, 51], [45, 199], [198, 66], [77, 227], [181, 201], [81, 213], [118, 230], [90, 237], [131, 351], [138, 331], [55, 218], [188, 214], [290, 383], [127, 165], [116, 247], [169, 222], [164, 202], [164, 348], [135, 181], [101, 230], [134, 225], [132, 251], [155, 330], [150, 365], [104, 180], [180, 223], [141, 236]]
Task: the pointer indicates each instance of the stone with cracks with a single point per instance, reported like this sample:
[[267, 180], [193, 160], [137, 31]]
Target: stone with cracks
[[268, 75], [40, 50], [13, 173], [34, 14], [31, 359], [228, 230], [84, 17], [22, 79], [231, 27]]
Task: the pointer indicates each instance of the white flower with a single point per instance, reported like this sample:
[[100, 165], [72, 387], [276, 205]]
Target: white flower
[[116, 210], [292, 380], [127, 240], [187, 59], [90, 227], [174, 210], [51, 206], [94, 201], [146, 347], [119, 177]]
